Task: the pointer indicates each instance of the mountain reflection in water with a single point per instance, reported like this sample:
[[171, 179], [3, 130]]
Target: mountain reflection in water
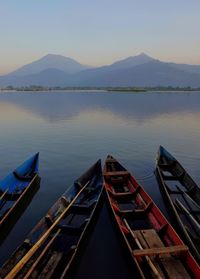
[[71, 130], [56, 106]]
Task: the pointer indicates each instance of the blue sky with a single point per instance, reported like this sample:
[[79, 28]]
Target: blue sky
[[98, 32]]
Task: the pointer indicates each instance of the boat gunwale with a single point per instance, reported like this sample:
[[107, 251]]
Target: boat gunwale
[[19, 200], [195, 185], [188, 257], [56, 205], [83, 233], [175, 214]]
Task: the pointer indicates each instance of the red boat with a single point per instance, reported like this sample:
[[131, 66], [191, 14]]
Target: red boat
[[155, 247]]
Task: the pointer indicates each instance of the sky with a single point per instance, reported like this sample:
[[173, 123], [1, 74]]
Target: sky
[[98, 32]]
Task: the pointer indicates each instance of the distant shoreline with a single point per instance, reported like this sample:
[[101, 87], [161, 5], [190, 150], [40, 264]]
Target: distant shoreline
[[96, 89]]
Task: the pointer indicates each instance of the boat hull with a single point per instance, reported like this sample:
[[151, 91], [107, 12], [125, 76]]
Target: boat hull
[[170, 201], [63, 228], [139, 219], [14, 202]]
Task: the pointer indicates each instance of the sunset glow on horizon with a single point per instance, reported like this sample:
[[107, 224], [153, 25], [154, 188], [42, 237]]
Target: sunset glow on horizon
[[97, 33]]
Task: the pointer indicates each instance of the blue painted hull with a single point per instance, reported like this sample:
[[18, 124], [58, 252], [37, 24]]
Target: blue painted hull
[[16, 192], [13, 184]]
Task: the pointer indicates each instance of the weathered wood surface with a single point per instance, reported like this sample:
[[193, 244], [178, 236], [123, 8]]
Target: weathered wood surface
[[160, 251], [170, 266]]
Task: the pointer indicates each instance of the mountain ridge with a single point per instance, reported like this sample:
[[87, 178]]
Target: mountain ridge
[[139, 70], [57, 61]]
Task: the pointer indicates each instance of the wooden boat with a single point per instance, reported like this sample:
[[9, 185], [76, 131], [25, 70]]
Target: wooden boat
[[182, 195], [15, 190], [49, 249], [175, 172], [155, 247]]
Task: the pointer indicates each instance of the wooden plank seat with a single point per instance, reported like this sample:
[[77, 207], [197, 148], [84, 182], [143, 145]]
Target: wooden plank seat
[[124, 194], [160, 251], [167, 164], [173, 177], [72, 229], [133, 211], [76, 207], [79, 186], [168, 266], [137, 210], [176, 192], [116, 173]]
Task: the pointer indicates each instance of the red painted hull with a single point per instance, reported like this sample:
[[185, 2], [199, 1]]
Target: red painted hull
[[122, 190]]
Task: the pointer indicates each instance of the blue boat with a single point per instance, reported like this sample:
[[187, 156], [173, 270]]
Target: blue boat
[[16, 190]]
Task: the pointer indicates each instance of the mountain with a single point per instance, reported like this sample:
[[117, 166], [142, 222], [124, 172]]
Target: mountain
[[50, 61], [131, 61], [186, 67], [90, 75], [49, 77], [140, 70], [153, 73]]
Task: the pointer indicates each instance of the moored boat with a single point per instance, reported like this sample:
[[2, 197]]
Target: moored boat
[[49, 249], [182, 196], [15, 191], [175, 172], [155, 247]]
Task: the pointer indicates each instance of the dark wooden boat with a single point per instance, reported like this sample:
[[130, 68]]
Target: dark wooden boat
[[49, 249], [175, 172], [182, 196], [155, 247], [15, 190]]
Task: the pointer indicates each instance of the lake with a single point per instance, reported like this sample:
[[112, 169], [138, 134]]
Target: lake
[[72, 130]]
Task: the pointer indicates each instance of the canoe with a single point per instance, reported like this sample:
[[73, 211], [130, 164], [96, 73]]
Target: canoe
[[15, 190], [182, 196], [155, 248], [175, 172], [49, 249]]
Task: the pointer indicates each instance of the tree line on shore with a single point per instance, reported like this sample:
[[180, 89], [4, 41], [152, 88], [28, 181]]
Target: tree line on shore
[[118, 89]]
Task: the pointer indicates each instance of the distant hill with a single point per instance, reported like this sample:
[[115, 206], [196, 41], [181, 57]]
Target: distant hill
[[186, 67], [141, 70], [154, 73], [131, 61], [49, 77], [51, 61]]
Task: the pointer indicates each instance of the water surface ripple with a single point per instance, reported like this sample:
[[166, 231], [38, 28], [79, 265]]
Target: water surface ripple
[[71, 130]]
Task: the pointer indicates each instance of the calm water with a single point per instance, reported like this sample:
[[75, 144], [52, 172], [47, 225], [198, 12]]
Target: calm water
[[72, 130]]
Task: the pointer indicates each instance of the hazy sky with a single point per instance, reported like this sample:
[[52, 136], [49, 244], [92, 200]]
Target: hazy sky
[[98, 32]]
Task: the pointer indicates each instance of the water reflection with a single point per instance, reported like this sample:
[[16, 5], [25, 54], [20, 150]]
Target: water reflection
[[58, 106], [72, 130]]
